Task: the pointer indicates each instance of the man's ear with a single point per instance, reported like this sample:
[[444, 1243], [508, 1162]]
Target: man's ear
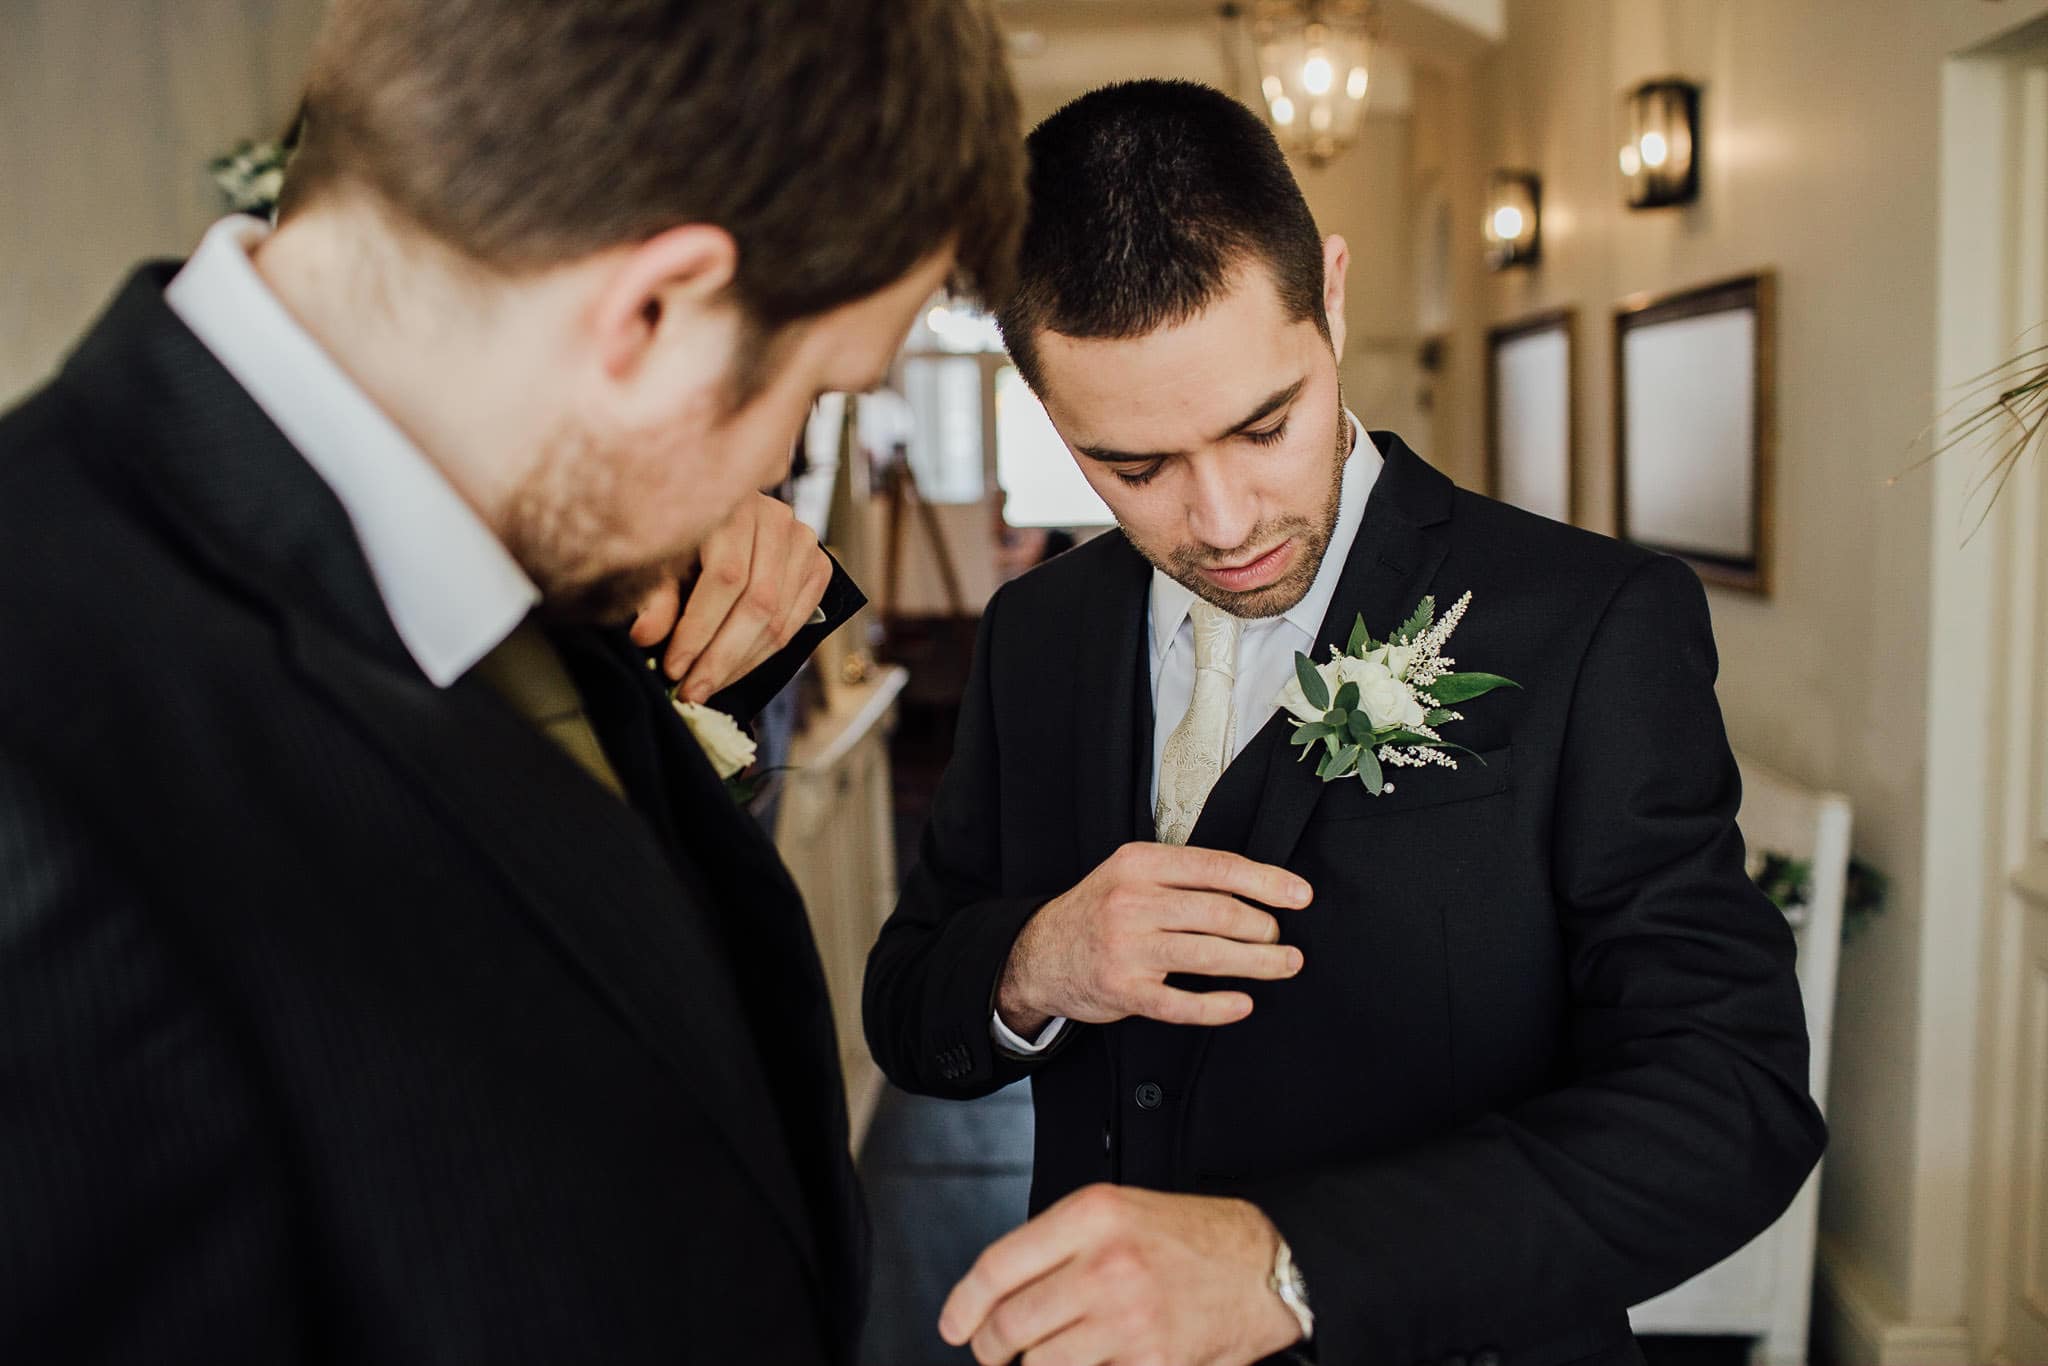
[[679, 272], [1336, 262]]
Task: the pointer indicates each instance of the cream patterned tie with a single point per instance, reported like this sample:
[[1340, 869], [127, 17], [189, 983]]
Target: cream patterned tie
[[1199, 748]]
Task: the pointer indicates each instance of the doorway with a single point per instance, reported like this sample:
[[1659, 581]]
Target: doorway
[[1988, 687]]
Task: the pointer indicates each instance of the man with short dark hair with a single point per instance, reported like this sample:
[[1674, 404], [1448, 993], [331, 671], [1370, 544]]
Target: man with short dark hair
[[1450, 1059], [386, 974]]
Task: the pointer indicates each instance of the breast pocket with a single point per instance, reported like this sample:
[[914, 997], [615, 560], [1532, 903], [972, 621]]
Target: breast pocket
[[1416, 788]]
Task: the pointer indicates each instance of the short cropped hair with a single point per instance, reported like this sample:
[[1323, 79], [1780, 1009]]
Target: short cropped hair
[[840, 142], [1146, 198]]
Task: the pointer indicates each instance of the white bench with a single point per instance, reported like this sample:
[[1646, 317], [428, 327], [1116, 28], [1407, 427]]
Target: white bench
[[1765, 1291]]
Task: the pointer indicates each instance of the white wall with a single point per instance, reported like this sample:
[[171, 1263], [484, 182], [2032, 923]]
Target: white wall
[[1820, 159], [111, 112]]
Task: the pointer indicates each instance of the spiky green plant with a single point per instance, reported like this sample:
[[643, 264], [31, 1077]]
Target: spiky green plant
[[2004, 413]]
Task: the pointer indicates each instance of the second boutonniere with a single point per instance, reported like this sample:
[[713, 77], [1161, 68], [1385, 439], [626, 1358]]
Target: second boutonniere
[[725, 743], [1378, 704]]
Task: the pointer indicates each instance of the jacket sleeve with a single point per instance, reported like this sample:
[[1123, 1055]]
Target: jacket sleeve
[[144, 1212], [1683, 1127], [745, 699], [932, 976]]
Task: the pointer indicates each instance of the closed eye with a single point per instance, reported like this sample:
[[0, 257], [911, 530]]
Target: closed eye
[[1270, 436], [1137, 479]]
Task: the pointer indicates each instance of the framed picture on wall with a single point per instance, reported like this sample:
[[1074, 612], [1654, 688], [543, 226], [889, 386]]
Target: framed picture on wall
[[1695, 423], [1531, 423]]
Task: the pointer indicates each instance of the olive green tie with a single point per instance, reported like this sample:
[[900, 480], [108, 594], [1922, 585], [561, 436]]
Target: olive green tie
[[527, 672]]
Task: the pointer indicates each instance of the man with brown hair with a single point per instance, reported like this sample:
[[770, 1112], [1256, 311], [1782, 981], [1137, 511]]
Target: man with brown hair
[[385, 975]]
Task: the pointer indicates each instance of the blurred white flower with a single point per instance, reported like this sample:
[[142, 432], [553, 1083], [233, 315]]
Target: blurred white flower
[[724, 742]]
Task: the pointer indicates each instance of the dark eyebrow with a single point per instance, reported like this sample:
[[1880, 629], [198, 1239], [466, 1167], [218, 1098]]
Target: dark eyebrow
[[1272, 404]]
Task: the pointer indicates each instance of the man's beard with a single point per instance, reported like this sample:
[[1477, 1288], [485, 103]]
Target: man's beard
[[561, 517], [1184, 564]]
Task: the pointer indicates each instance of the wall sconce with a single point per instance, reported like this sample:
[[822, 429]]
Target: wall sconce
[[1660, 161], [1514, 219], [1313, 71]]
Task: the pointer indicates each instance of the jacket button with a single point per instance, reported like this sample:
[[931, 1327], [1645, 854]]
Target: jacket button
[[1149, 1096], [1106, 1144], [1489, 1357]]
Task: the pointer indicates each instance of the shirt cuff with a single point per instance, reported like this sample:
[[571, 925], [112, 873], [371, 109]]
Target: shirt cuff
[[1010, 1041]]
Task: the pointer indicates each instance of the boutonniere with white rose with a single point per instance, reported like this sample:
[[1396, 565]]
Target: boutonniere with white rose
[[725, 743], [1378, 704]]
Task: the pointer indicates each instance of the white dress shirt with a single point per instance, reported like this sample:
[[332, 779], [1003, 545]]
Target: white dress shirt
[[1265, 654], [453, 591]]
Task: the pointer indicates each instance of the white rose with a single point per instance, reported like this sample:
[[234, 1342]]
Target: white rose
[[729, 748], [1383, 698], [1294, 701], [1388, 702], [1396, 658]]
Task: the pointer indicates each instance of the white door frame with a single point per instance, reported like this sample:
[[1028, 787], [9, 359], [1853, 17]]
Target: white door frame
[[1985, 802]]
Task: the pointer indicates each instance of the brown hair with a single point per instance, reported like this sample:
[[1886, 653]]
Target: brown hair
[[840, 142]]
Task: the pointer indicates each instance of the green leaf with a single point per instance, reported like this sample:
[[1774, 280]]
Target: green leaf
[[1361, 639], [1437, 717], [1399, 736], [1312, 685], [1347, 698], [1424, 618], [1343, 760], [1360, 727], [1311, 732], [1452, 689], [1369, 772]]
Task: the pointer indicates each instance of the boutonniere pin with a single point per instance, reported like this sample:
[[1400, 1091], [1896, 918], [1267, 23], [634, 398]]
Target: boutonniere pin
[[1378, 704]]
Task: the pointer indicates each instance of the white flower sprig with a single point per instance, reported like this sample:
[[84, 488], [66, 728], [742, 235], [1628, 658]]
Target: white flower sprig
[[1377, 705], [250, 176]]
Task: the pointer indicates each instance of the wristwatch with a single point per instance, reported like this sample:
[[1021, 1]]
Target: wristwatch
[[1288, 1283]]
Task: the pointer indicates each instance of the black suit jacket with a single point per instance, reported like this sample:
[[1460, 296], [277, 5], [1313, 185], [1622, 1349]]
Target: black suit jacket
[[343, 1017], [1546, 1057]]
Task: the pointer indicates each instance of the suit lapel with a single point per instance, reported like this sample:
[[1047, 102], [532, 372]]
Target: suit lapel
[[1264, 797], [1263, 800], [1401, 541], [592, 876], [1234, 804], [757, 906], [587, 869], [1113, 755]]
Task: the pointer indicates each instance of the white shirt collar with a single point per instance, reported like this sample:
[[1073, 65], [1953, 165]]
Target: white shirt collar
[[1171, 599], [453, 591]]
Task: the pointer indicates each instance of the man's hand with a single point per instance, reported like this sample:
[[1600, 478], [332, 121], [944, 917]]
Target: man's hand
[[760, 579], [1103, 951], [1118, 1274]]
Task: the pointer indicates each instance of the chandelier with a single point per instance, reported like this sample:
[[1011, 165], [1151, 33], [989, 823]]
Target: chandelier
[[1314, 57]]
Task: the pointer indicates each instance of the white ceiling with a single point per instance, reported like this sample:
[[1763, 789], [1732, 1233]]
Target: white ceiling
[[1447, 33]]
